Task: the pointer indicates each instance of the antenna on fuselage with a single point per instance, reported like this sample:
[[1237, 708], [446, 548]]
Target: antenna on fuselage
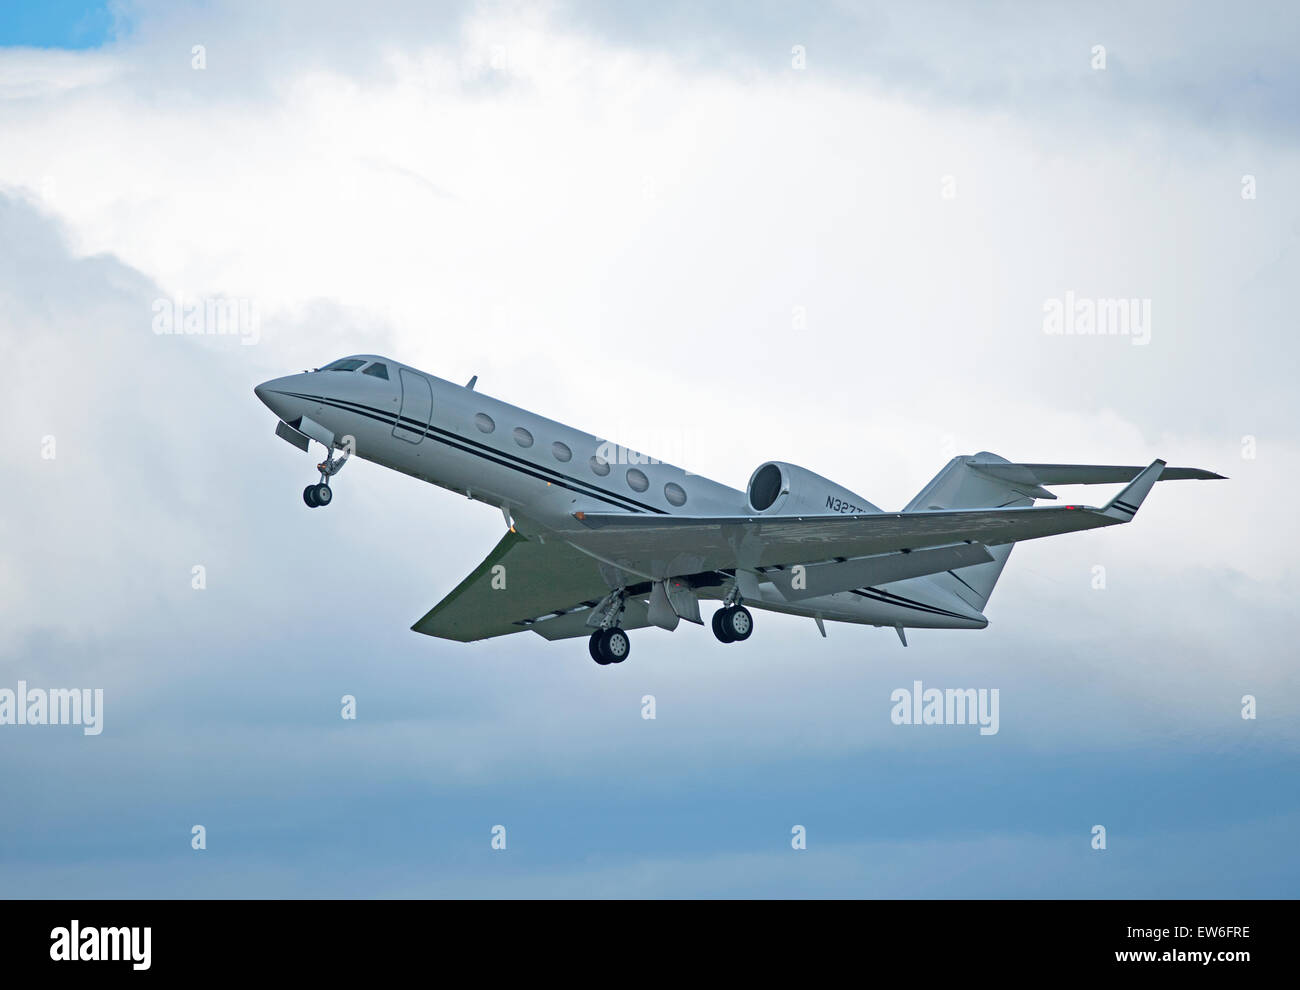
[[470, 384]]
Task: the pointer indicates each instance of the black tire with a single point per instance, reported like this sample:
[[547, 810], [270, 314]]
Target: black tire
[[739, 623], [323, 494], [616, 645], [720, 626], [309, 496], [594, 647]]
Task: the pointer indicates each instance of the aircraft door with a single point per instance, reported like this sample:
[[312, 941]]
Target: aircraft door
[[417, 407]]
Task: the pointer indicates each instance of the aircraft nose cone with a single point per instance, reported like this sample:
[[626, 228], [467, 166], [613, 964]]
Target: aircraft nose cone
[[273, 395]]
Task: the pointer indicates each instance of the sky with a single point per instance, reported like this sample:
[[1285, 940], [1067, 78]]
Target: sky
[[723, 234]]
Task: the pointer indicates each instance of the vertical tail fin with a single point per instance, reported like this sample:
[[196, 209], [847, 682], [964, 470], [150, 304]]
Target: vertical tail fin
[[961, 485]]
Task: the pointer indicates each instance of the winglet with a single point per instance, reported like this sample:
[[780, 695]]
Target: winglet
[[1124, 506]]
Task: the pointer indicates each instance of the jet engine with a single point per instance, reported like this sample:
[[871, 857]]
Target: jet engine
[[780, 489]]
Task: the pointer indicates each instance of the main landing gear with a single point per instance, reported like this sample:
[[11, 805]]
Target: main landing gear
[[609, 644], [732, 624], [320, 495]]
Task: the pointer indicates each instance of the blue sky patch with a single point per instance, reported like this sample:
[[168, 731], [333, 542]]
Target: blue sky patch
[[56, 24]]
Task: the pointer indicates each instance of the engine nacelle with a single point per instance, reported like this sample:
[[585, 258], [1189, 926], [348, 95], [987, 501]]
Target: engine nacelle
[[780, 489]]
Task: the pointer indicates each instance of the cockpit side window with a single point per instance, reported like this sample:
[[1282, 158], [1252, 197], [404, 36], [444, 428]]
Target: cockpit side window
[[346, 364], [378, 370]]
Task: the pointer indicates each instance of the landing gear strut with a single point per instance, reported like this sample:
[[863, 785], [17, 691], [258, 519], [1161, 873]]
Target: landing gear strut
[[609, 644], [320, 495]]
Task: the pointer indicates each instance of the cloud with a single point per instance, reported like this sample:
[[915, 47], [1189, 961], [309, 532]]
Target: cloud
[[1208, 66]]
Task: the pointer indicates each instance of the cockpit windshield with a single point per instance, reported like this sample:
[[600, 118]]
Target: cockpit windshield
[[346, 364]]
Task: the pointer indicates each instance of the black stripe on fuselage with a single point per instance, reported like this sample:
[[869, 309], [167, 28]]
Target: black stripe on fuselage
[[482, 450]]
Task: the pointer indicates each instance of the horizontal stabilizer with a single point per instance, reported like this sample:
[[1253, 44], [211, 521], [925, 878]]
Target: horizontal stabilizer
[[1083, 474]]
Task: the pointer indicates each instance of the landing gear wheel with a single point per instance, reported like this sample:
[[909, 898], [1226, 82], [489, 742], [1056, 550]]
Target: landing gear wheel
[[733, 624], [309, 496], [616, 645], [719, 629], [739, 623], [322, 494], [608, 646]]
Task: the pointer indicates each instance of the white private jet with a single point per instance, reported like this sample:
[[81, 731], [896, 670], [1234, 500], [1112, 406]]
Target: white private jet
[[601, 539]]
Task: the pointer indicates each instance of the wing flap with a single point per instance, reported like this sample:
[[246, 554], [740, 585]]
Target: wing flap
[[829, 578], [571, 625]]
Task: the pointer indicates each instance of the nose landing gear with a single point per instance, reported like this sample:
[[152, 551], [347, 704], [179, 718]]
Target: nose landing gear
[[320, 495], [317, 495]]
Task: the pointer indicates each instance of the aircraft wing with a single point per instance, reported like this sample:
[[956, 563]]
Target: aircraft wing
[[663, 546], [534, 580]]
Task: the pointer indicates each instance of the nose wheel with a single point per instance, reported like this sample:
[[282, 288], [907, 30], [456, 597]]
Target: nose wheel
[[317, 495]]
